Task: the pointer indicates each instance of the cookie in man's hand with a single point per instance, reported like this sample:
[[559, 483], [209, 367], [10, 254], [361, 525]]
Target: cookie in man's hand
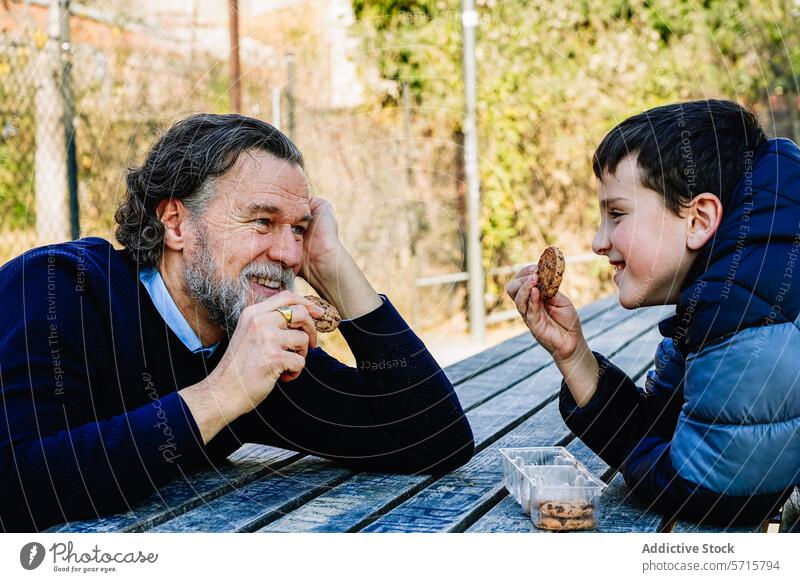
[[329, 320], [551, 271]]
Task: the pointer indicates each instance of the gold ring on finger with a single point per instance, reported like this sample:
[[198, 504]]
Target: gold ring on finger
[[286, 312]]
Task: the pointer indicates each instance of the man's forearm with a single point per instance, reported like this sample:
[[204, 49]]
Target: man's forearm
[[340, 281], [210, 414]]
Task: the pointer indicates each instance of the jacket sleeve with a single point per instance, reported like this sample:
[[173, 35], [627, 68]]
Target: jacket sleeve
[[620, 415], [58, 461], [632, 430], [395, 411]]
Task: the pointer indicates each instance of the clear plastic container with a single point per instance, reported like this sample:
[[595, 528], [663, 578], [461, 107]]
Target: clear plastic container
[[553, 487]]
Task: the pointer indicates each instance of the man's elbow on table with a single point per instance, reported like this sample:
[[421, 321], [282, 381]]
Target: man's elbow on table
[[453, 451], [458, 458]]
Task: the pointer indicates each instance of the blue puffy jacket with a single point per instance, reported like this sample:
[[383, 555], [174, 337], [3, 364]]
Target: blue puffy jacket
[[715, 433]]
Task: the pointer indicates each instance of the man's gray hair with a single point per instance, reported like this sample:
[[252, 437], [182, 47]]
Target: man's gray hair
[[183, 164]]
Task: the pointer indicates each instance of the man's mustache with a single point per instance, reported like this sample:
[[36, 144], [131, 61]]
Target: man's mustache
[[272, 271]]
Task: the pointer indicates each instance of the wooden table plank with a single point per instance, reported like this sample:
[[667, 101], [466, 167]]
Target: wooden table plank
[[262, 501], [623, 512], [247, 464], [491, 382], [496, 355], [790, 519], [522, 399], [690, 527], [639, 357], [450, 503], [505, 517], [353, 503], [597, 466], [646, 321]]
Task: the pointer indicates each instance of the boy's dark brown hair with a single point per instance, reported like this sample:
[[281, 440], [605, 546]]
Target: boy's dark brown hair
[[685, 149]]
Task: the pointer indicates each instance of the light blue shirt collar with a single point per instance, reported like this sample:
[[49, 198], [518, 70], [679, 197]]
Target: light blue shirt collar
[[166, 307]]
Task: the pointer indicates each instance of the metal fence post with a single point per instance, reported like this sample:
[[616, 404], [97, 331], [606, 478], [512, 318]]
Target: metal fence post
[[68, 98], [477, 309]]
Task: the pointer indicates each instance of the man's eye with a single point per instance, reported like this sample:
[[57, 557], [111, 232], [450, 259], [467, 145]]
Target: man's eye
[[301, 230], [263, 221]]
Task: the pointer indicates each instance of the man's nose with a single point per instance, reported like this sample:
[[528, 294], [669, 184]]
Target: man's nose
[[285, 248], [601, 242]]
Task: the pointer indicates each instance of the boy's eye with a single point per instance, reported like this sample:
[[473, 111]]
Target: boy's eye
[[614, 214]]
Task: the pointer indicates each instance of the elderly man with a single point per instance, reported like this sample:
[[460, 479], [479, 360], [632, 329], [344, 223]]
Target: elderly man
[[122, 370]]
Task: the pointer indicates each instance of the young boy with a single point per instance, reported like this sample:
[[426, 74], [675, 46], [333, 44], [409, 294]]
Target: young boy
[[698, 209]]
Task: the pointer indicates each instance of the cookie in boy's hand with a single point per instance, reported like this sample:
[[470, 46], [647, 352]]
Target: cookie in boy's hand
[[551, 271], [329, 320]]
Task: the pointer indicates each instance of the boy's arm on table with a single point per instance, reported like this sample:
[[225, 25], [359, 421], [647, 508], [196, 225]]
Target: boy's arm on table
[[619, 415], [632, 430]]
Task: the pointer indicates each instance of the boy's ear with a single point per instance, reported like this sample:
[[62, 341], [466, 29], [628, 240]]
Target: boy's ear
[[705, 214], [173, 215]]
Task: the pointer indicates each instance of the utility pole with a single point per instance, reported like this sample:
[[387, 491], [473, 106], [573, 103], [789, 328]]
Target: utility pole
[[236, 73], [477, 311], [68, 99]]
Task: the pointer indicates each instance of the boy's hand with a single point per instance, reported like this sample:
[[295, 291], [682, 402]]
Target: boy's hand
[[553, 322]]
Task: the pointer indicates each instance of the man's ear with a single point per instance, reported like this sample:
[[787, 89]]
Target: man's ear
[[705, 214], [173, 215]]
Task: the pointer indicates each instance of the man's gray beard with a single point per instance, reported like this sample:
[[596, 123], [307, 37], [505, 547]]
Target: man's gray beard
[[225, 298]]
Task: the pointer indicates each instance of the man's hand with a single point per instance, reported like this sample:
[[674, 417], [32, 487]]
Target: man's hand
[[329, 268], [321, 244], [263, 350]]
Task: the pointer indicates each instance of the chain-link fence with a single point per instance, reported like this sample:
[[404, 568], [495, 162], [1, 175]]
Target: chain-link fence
[[33, 143]]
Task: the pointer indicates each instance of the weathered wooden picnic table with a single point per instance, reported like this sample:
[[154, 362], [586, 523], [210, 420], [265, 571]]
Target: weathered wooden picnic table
[[510, 395]]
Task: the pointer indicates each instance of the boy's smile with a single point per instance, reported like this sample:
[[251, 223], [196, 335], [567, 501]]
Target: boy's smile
[[645, 242]]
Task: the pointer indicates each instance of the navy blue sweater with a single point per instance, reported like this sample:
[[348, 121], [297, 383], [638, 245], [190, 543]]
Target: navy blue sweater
[[92, 423]]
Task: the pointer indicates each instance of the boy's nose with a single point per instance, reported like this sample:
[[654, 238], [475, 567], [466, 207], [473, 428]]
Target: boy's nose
[[601, 242]]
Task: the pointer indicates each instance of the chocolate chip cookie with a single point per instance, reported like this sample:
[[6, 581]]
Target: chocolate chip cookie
[[551, 271], [329, 320], [566, 509], [566, 523]]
